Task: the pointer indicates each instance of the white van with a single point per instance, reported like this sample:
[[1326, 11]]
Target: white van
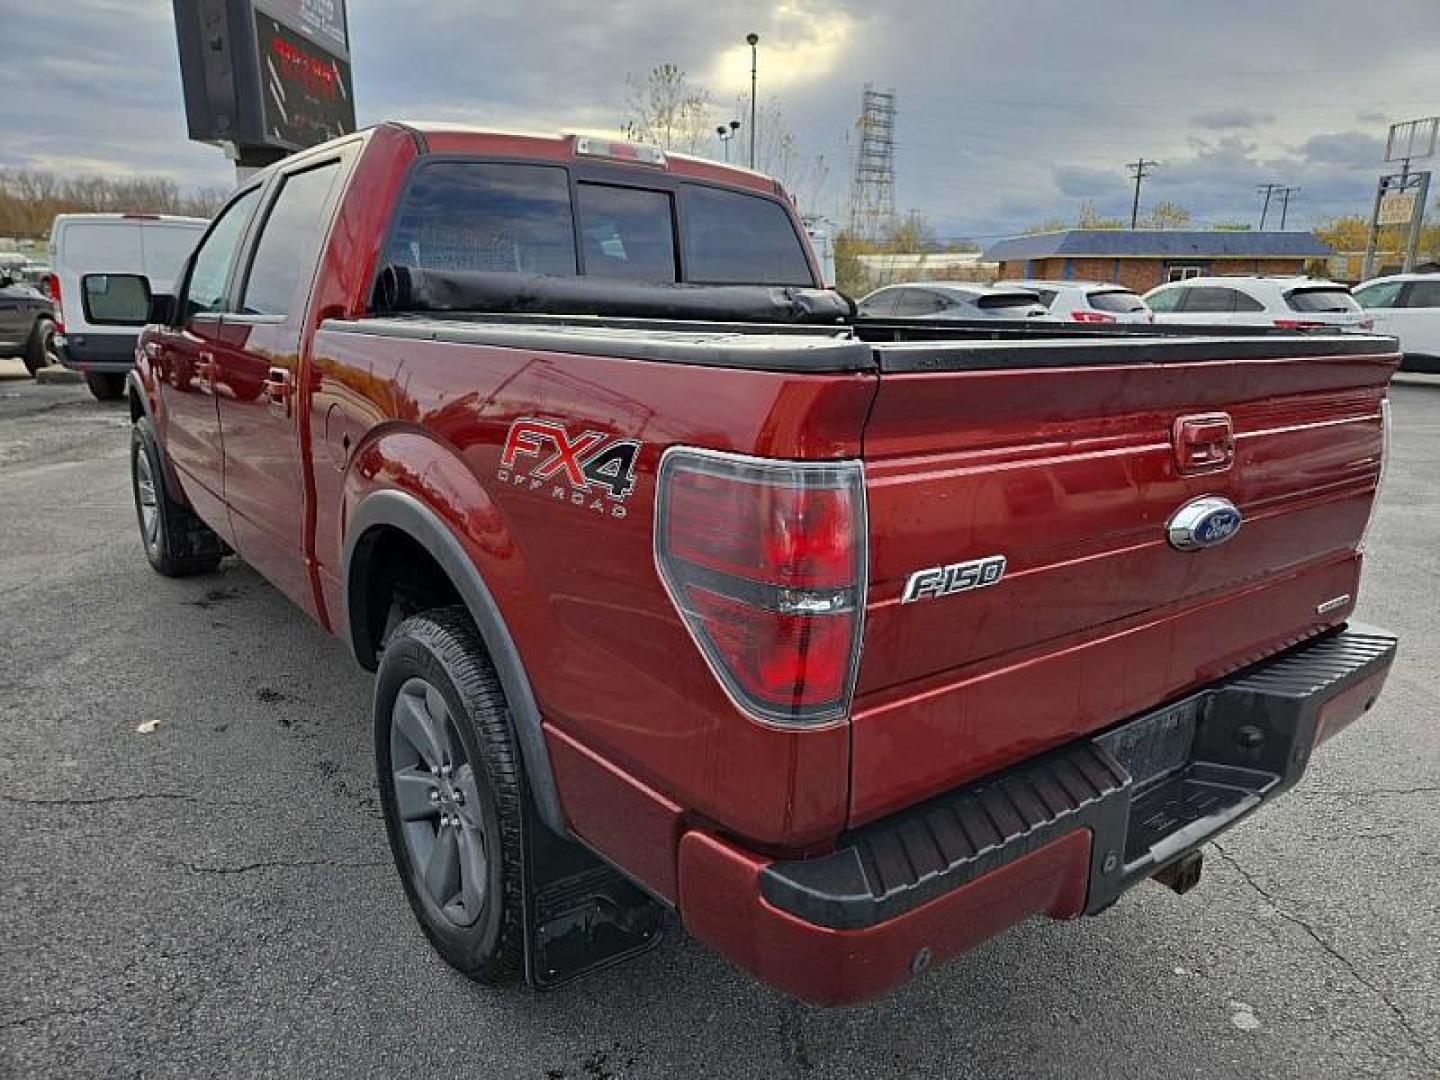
[[99, 317]]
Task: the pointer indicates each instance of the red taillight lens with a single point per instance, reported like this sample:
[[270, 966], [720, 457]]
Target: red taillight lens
[[52, 289], [1300, 324], [1366, 324], [1091, 316], [765, 561]]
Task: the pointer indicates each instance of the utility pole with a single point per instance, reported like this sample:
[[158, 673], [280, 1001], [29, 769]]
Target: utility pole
[[1140, 170], [752, 40], [1285, 193], [1267, 190]]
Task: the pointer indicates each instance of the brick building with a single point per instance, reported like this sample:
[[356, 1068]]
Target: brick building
[[1140, 259]]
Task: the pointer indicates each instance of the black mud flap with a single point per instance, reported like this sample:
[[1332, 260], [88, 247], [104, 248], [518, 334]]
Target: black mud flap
[[581, 915]]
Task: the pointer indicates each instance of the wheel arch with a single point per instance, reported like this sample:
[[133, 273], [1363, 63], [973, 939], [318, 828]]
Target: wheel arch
[[389, 511]]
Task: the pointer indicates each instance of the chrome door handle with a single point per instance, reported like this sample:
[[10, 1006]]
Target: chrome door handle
[[279, 387]]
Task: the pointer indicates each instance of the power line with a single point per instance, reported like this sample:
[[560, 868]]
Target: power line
[[1140, 170]]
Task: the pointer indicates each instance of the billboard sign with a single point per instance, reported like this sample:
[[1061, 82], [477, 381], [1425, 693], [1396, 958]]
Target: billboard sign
[[1396, 208], [1411, 139], [265, 77]]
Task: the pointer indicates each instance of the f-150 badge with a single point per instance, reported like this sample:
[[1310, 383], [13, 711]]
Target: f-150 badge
[[936, 581], [592, 470]]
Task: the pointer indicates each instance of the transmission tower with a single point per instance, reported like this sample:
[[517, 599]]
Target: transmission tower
[[872, 195]]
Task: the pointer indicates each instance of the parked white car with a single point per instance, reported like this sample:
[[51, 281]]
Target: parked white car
[[1291, 303], [1407, 306], [951, 300], [1088, 301], [99, 314]]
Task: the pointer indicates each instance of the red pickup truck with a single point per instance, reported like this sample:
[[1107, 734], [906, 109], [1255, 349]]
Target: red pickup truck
[[852, 643]]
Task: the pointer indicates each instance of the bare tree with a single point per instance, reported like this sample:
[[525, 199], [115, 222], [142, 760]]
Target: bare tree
[[30, 198], [778, 154], [667, 110]]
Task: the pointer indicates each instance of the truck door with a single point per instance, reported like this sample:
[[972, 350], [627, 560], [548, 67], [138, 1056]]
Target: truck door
[[259, 378], [184, 359]]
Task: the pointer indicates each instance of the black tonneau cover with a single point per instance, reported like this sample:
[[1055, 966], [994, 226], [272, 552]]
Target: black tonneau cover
[[411, 289]]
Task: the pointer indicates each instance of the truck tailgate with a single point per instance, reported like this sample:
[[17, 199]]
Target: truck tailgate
[[1069, 462]]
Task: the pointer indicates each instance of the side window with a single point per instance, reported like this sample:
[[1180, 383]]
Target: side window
[[1384, 295], [1246, 302], [288, 241], [626, 233], [1208, 300], [216, 255], [1165, 300], [916, 302], [1047, 296], [1423, 294], [879, 304]]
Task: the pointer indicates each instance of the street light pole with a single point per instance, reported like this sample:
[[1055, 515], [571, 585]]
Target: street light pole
[[752, 40]]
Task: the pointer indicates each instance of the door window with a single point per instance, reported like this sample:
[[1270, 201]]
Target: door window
[[1384, 295], [917, 302], [879, 304], [210, 276], [1423, 294], [289, 241], [1165, 300], [1208, 300]]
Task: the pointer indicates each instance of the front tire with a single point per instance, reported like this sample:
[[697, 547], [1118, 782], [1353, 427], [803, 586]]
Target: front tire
[[105, 385], [452, 793], [40, 349], [177, 542]]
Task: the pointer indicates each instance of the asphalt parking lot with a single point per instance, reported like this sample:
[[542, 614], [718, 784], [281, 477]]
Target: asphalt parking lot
[[196, 880]]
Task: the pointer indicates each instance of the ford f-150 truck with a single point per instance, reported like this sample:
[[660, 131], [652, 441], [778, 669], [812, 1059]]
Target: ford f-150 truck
[[852, 643]]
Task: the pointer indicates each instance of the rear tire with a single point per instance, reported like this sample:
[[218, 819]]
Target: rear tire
[[176, 541], [452, 792], [40, 349], [106, 385]]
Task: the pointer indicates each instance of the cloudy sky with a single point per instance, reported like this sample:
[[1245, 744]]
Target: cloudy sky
[[1009, 113]]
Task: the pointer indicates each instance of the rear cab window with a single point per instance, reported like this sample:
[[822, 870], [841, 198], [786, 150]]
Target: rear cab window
[[1018, 304], [522, 218]]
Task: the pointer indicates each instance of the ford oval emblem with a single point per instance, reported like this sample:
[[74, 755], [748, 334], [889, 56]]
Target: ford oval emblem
[[1203, 523]]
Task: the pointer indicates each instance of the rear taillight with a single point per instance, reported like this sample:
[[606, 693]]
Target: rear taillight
[[1091, 316], [1366, 324], [52, 289], [1300, 324], [766, 561]]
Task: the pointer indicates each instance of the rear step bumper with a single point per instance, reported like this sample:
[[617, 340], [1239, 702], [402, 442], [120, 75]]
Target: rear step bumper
[[1063, 834]]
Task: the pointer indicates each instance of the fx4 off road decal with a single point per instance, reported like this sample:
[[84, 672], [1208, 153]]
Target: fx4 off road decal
[[593, 470]]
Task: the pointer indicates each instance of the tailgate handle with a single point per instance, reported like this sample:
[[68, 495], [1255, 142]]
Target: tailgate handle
[[1204, 443]]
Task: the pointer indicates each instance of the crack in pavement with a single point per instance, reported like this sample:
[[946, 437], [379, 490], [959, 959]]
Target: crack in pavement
[[49, 1014], [1273, 903], [1338, 793], [302, 864], [100, 800]]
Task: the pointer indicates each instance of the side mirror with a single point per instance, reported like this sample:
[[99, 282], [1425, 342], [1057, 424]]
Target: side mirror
[[162, 310], [116, 299]]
